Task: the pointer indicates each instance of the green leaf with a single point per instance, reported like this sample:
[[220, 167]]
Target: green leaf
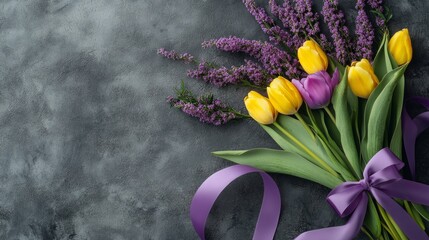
[[333, 63], [377, 110], [395, 133], [396, 117], [414, 214], [372, 220], [296, 129], [331, 148], [278, 161], [281, 140], [344, 124], [422, 211], [382, 63]]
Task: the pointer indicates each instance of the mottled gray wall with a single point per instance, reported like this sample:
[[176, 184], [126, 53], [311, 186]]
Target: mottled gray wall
[[90, 150]]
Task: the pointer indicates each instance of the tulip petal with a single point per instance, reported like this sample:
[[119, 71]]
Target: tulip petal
[[294, 97], [303, 92], [361, 82], [400, 47], [335, 79], [318, 90], [322, 55], [260, 108], [310, 60], [261, 111], [280, 102]]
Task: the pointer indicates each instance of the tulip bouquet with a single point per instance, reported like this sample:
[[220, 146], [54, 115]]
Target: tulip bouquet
[[333, 109]]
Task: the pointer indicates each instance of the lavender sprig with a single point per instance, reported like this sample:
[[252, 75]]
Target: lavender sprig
[[249, 74], [273, 59], [377, 5], [275, 33], [301, 21], [334, 17], [173, 55], [206, 108], [364, 32]]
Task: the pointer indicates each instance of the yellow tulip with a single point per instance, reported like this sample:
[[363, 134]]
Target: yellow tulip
[[312, 58], [260, 108], [400, 47], [362, 79], [284, 96]]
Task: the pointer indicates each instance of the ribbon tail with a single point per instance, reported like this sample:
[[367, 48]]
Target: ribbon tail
[[401, 217], [213, 186], [409, 136], [412, 129], [346, 232], [408, 190], [270, 210]]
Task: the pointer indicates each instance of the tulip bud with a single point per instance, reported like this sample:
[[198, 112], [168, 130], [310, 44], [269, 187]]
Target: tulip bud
[[260, 108], [312, 58], [362, 79], [400, 47], [317, 89], [284, 96]]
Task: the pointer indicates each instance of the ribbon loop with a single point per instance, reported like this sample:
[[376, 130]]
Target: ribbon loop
[[213, 186]]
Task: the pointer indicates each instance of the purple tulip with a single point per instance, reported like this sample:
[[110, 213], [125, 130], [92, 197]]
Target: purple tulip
[[317, 88]]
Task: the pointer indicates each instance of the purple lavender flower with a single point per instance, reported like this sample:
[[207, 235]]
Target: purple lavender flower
[[273, 59], [308, 20], [377, 5], [276, 34], [334, 17], [317, 88], [205, 108], [254, 73], [250, 72], [300, 20], [185, 57], [288, 16], [364, 32], [219, 77]]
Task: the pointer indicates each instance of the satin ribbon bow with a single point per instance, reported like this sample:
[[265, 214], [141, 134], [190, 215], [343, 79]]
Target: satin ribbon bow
[[384, 182]]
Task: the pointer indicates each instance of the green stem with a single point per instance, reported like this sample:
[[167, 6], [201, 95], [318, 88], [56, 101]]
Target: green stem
[[240, 114], [415, 216], [391, 225], [248, 84], [397, 228], [305, 125], [320, 162], [367, 233], [331, 116], [387, 229]]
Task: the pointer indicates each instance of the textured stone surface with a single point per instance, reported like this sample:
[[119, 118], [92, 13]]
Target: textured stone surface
[[90, 150]]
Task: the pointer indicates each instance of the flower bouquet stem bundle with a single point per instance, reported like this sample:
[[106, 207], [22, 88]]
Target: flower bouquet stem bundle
[[335, 115], [334, 142]]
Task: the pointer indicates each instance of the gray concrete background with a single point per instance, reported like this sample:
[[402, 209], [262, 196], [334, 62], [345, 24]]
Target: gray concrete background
[[90, 150]]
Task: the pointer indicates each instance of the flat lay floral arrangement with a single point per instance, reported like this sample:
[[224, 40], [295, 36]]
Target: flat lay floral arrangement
[[334, 103]]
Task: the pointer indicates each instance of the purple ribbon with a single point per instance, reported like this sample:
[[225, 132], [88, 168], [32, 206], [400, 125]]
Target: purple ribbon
[[383, 180], [412, 129], [212, 187]]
